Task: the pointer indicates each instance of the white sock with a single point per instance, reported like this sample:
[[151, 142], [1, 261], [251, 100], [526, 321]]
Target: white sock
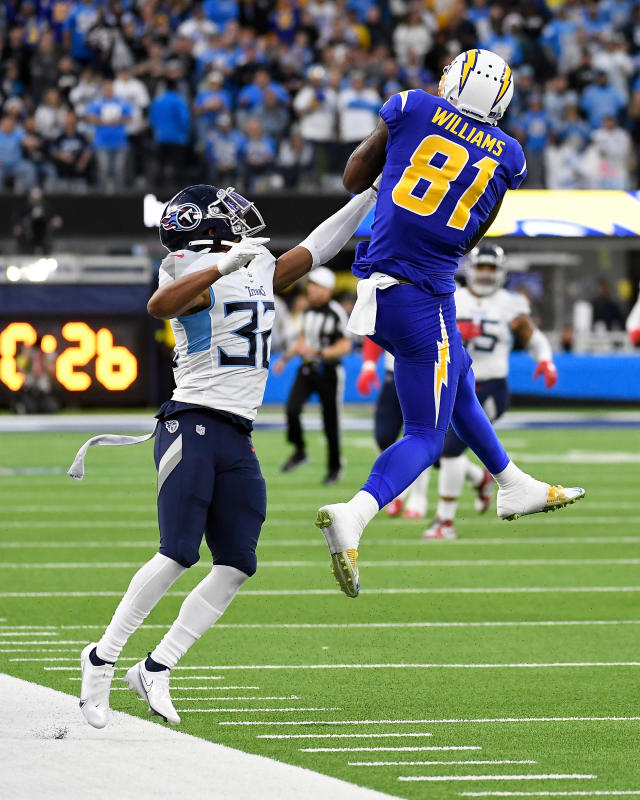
[[365, 506], [147, 586], [474, 473], [450, 484], [201, 609], [417, 492], [510, 475]]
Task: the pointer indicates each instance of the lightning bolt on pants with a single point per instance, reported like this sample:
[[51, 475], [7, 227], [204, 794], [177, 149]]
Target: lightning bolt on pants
[[420, 330]]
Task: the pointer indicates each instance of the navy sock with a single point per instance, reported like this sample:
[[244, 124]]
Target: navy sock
[[95, 659], [153, 666]]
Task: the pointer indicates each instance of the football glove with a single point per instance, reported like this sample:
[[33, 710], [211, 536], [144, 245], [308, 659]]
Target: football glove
[[367, 379], [549, 371], [240, 254], [634, 336]]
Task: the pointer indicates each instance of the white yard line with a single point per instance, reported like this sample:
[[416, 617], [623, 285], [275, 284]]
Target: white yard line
[[386, 591], [339, 625], [382, 749], [441, 763], [550, 777], [250, 710], [522, 562], [206, 689], [319, 543], [600, 793], [477, 720], [517, 665], [48, 744], [150, 523], [338, 735]]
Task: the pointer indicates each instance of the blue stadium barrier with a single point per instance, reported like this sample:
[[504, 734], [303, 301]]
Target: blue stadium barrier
[[613, 378]]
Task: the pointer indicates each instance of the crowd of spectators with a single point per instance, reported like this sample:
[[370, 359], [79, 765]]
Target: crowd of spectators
[[272, 93]]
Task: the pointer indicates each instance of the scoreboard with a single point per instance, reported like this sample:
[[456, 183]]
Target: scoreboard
[[96, 360]]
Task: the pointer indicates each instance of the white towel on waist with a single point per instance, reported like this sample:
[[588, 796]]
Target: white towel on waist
[[362, 321], [76, 470]]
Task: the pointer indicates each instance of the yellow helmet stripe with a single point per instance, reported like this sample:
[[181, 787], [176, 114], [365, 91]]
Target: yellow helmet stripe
[[506, 82], [470, 59]]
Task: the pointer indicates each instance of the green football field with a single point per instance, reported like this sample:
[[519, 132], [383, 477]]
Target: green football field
[[506, 663]]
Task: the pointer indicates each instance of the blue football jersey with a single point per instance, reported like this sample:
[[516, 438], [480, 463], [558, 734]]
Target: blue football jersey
[[443, 175]]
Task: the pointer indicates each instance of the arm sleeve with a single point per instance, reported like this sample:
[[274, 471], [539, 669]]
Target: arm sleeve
[[326, 241], [539, 347]]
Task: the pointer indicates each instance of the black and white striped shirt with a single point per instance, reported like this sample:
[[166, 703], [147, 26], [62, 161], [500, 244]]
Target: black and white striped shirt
[[323, 326]]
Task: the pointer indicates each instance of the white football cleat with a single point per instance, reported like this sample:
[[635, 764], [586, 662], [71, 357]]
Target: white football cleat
[[95, 689], [530, 496], [484, 493], [154, 688], [342, 530], [440, 529]]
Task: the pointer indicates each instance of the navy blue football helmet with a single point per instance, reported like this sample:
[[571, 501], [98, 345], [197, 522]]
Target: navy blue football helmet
[[203, 217]]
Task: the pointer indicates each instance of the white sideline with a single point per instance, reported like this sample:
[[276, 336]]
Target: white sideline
[[50, 747], [482, 720]]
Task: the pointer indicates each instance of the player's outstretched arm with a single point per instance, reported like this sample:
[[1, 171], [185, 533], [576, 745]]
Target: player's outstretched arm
[[539, 347], [324, 242], [367, 160]]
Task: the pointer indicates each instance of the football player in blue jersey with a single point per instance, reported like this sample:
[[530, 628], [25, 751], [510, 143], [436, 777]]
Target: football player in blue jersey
[[446, 167]]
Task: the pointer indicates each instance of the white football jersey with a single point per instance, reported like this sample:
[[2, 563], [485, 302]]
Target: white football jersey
[[221, 357], [494, 313]]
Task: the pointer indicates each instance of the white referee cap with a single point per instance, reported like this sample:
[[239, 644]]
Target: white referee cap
[[323, 277]]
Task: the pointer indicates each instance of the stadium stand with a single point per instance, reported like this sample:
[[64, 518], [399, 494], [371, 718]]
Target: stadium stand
[[276, 92]]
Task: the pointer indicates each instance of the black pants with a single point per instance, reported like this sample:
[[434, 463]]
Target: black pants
[[322, 379]]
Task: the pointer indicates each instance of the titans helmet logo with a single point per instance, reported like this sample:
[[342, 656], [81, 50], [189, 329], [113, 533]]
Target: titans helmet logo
[[183, 218]]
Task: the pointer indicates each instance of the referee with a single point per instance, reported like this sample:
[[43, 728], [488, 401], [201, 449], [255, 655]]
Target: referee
[[321, 345]]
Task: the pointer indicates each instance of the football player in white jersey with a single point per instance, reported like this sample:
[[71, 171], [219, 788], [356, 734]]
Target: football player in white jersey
[[216, 286], [488, 317]]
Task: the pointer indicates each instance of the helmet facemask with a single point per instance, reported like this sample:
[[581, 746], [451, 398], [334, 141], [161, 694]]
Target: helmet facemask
[[484, 282]]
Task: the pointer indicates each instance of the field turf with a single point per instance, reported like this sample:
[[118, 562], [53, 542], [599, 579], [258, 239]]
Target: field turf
[[511, 652]]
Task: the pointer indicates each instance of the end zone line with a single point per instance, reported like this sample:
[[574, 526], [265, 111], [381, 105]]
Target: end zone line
[[550, 777], [479, 720]]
